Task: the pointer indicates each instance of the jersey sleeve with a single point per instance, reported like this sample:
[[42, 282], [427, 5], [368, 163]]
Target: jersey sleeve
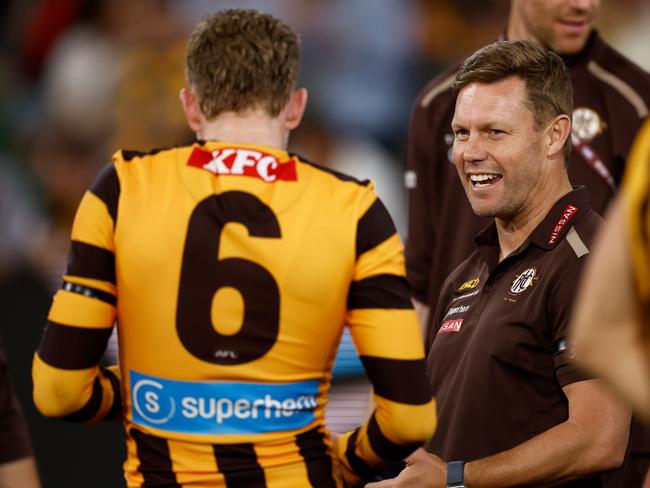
[[68, 382], [560, 306], [387, 336]]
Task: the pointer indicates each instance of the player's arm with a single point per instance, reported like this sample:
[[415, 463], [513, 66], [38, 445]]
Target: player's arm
[[68, 382], [20, 472], [591, 440], [609, 334], [386, 333]]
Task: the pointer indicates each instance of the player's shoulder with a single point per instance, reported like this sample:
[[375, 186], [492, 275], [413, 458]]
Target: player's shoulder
[[329, 174], [134, 156], [615, 69], [438, 90]]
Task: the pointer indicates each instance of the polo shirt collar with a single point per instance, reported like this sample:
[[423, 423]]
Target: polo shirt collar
[[564, 214]]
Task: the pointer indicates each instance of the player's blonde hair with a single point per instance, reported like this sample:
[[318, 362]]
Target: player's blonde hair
[[240, 60]]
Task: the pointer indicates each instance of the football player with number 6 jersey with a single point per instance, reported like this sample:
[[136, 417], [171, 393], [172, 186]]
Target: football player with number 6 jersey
[[230, 267]]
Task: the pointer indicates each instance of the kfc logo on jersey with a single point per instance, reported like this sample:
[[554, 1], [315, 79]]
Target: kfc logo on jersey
[[450, 326], [243, 162], [567, 215]]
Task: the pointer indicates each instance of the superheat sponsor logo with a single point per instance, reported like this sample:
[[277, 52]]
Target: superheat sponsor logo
[[457, 310], [194, 407], [450, 326], [568, 214], [243, 162]]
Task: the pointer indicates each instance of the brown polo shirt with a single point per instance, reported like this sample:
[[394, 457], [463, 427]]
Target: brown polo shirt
[[612, 96], [498, 356]]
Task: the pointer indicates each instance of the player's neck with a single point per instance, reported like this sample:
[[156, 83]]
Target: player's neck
[[255, 127]]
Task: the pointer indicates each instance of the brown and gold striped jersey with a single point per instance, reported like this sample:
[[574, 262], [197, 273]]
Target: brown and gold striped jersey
[[636, 194], [230, 271]]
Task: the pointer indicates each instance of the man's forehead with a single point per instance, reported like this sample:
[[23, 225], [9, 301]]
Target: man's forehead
[[488, 100]]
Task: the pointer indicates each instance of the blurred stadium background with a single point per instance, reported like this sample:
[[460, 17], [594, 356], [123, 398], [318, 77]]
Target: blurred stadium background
[[82, 78]]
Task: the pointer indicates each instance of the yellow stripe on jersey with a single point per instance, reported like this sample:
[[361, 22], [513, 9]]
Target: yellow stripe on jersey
[[61, 393], [92, 283], [385, 258], [77, 310], [372, 329], [636, 193], [93, 224]]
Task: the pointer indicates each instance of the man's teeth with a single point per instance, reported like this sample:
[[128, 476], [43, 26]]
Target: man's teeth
[[481, 178]]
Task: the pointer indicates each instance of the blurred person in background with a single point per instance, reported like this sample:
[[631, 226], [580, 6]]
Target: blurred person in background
[[17, 466], [612, 96], [611, 326], [186, 341]]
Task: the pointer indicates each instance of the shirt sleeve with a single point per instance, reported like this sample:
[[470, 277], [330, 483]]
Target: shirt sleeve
[[419, 152], [562, 299], [68, 382], [387, 336], [14, 436]]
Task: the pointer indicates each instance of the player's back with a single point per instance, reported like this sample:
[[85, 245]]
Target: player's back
[[233, 265], [230, 270]]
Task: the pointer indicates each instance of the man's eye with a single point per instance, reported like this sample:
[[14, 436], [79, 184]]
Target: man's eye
[[461, 134], [496, 132]]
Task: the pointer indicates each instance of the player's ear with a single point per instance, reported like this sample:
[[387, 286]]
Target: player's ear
[[191, 108], [558, 131], [296, 108]]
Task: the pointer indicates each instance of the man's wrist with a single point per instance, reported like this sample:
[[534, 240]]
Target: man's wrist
[[456, 474]]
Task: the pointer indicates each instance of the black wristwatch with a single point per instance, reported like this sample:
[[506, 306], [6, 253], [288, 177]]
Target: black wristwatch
[[456, 474]]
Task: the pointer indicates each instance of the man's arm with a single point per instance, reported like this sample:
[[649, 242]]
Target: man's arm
[[422, 310], [608, 333], [592, 439], [19, 473]]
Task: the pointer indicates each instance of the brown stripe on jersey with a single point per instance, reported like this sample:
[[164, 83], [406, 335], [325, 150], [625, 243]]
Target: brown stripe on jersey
[[380, 291], [88, 291], [107, 188], [67, 347], [88, 261], [92, 406], [318, 462], [116, 407], [129, 155], [239, 466], [374, 227], [155, 460], [356, 463], [398, 380], [339, 175], [384, 447]]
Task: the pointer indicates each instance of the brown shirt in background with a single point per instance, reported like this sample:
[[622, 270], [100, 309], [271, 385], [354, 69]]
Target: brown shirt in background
[[498, 356]]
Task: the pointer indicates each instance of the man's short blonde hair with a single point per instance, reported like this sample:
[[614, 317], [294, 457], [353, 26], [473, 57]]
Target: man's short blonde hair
[[239, 60]]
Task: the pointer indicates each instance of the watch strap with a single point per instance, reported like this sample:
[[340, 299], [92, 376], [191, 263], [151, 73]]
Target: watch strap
[[456, 474]]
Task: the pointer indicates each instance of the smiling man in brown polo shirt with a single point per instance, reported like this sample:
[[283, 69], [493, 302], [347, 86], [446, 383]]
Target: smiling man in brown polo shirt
[[511, 403]]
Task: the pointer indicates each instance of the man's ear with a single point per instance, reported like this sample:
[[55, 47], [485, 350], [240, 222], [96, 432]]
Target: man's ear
[[559, 129], [191, 108], [296, 108]]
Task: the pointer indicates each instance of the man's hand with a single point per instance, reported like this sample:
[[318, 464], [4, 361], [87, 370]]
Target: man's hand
[[423, 470]]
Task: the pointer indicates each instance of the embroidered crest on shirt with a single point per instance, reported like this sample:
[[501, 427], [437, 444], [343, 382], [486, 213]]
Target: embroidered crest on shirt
[[586, 123], [523, 280]]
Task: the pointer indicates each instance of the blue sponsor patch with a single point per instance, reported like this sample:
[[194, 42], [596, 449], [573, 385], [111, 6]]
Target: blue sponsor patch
[[216, 407]]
